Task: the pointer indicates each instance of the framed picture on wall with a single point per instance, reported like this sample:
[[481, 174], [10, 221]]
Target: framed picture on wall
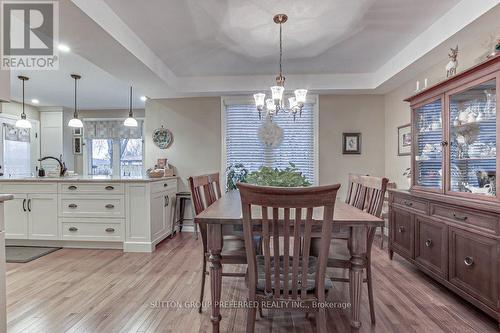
[[351, 143], [77, 131], [77, 145], [404, 140]]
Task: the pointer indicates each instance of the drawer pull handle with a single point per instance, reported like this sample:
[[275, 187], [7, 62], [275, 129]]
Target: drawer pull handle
[[468, 261], [110, 229], [24, 205], [73, 229], [110, 206], [72, 206], [401, 229], [72, 187], [460, 218], [109, 188], [165, 185], [428, 242], [409, 204]]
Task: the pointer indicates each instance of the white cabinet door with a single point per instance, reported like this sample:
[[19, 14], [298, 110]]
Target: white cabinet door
[[157, 215], [16, 217], [42, 216]]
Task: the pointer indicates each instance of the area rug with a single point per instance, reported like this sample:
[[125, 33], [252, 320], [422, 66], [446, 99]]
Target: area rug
[[24, 254]]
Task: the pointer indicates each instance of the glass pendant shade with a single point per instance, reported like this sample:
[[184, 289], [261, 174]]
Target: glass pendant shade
[[270, 106], [277, 93], [130, 122], [23, 123], [75, 122], [292, 102], [300, 95], [259, 100]]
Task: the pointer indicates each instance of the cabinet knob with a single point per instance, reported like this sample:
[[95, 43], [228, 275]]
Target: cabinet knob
[[165, 185], [401, 229], [468, 261], [72, 187], [110, 206], [109, 188], [444, 143], [428, 242], [72, 206], [408, 203], [460, 218], [110, 229], [73, 229]]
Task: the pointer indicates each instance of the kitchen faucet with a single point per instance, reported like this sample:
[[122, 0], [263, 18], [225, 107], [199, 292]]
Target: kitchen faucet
[[59, 160]]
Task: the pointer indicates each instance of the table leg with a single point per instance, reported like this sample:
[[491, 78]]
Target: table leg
[[214, 238], [357, 248]]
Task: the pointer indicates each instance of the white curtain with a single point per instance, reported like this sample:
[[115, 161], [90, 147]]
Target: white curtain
[[111, 129], [13, 133]]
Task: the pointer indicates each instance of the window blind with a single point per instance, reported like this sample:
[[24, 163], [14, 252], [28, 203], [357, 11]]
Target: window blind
[[243, 145]]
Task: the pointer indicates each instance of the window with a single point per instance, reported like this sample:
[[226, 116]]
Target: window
[[16, 149], [242, 144], [113, 149]]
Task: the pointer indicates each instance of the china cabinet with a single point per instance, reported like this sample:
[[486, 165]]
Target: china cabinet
[[448, 223]]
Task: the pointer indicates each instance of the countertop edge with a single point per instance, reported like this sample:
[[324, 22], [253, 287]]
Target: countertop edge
[[6, 197], [84, 180]]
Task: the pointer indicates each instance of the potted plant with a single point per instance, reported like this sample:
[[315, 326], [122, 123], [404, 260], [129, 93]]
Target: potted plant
[[235, 173], [288, 177]]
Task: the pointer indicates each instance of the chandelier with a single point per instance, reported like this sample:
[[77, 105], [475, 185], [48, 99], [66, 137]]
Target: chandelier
[[271, 106]]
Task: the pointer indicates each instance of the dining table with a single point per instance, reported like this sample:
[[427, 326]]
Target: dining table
[[224, 217]]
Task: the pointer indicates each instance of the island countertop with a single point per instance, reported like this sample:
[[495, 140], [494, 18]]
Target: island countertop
[[76, 179], [5, 197]]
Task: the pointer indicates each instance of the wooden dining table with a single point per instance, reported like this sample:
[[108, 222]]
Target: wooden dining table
[[224, 217]]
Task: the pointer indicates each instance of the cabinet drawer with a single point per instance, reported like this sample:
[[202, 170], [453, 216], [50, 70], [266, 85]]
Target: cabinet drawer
[[163, 185], [402, 232], [97, 188], [72, 229], [486, 222], [410, 203], [431, 245], [15, 188], [474, 265], [91, 206]]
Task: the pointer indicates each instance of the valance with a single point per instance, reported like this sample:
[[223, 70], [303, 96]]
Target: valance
[[111, 129], [13, 133]]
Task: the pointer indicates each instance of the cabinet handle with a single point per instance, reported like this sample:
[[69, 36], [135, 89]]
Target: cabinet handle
[[73, 229], [109, 188], [110, 206], [460, 218], [110, 229], [468, 261], [24, 205], [165, 185], [29, 205], [72, 206], [444, 143], [72, 187], [428, 242], [408, 203], [167, 200], [401, 229]]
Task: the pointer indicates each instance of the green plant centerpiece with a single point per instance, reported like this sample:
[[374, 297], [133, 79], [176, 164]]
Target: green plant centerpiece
[[235, 173], [288, 177]]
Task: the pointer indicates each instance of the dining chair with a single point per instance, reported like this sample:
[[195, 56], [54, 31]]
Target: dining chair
[[372, 199], [214, 180], [233, 250], [277, 215]]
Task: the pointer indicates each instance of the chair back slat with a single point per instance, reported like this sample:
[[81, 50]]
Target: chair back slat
[[375, 188], [214, 180], [282, 225]]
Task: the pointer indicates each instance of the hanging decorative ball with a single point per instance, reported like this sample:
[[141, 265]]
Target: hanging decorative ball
[[270, 134]]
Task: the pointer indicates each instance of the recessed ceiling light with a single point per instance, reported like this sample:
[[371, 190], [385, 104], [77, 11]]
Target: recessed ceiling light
[[144, 98], [35, 101], [63, 48]]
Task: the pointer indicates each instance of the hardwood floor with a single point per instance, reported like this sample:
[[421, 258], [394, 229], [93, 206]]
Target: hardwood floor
[[74, 290]]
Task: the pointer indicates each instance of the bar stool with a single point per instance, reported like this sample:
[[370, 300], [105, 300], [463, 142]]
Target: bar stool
[[178, 220]]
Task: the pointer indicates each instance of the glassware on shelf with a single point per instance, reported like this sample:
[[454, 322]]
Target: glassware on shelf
[[490, 107]]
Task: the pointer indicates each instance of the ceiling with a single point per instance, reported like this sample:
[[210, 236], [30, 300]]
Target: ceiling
[[171, 48]]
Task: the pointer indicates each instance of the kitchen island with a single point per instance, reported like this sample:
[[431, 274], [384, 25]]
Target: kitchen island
[[133, 214]]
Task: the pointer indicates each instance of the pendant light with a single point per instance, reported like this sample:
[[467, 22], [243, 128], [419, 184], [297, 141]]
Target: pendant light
[[75, 122], [130, 121], [23, 122]]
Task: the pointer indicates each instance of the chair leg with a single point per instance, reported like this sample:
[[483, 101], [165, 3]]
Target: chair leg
[[203, 275], [370, 290], [260, 311], [251, 312], [321, 321], [382, 238]]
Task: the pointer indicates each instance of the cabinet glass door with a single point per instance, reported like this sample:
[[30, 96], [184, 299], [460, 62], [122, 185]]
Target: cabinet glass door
[[428, 148], [473, 127]]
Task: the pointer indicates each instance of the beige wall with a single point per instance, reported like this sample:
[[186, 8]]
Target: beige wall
[[196, 127], [350, 113], [15, 109]]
